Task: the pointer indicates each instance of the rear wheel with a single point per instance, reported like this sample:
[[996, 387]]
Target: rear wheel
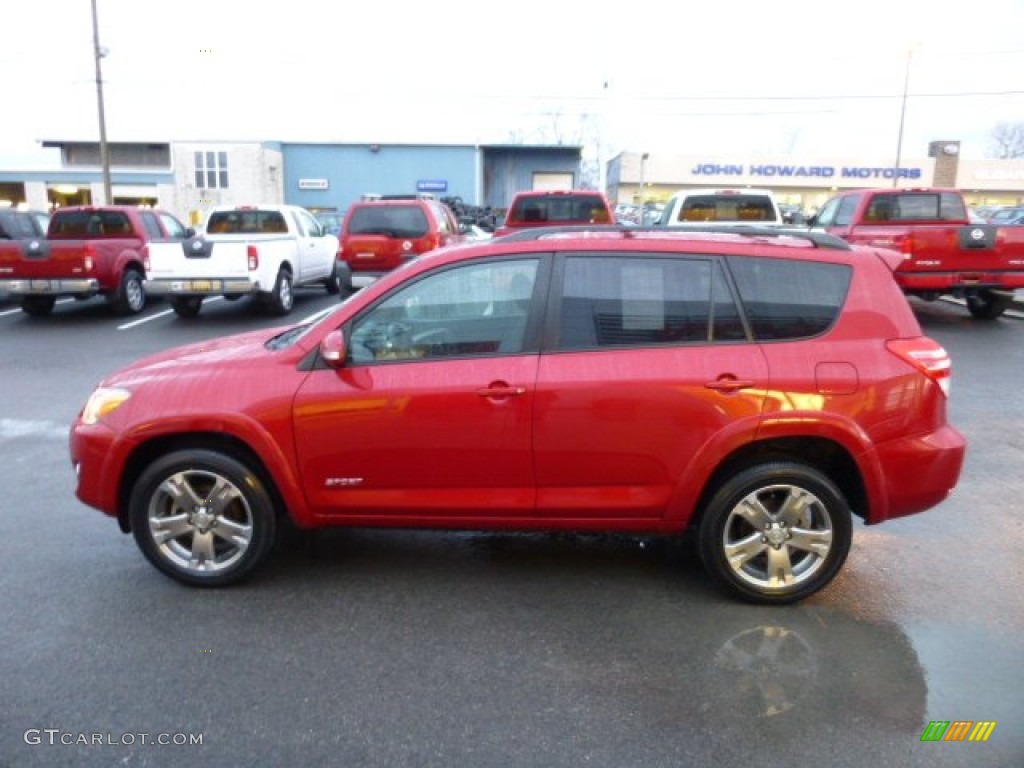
[[775, 533], [186, 306], [281, 299], [331, 283], [38, 306], [987, 305], [344, 274], [202, 517], [130, 297]]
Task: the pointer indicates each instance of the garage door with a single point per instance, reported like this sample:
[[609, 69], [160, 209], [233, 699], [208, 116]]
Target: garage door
[[546, 181]]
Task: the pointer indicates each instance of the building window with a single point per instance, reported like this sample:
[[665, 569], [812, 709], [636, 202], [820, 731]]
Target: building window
[[212, 170]]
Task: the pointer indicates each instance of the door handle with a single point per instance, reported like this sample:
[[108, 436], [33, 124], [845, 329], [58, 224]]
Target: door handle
[[501, 390], [729, 384]]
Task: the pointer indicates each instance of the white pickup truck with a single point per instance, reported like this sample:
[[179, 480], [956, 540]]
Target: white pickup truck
[[265, 250]]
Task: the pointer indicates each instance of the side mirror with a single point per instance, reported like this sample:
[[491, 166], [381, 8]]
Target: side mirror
[[190, 232], [332, 349]]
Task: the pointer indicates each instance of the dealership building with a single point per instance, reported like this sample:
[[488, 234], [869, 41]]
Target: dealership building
[[188, 178]]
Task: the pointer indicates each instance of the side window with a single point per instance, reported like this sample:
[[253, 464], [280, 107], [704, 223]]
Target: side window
[[478, 309], [307, 225], [789, 299], [827, 215], [444, 222], [847, 207], [174, 227], [151, 225], [610, 301]]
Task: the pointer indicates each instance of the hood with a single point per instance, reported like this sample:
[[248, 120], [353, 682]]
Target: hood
[[240, 350]]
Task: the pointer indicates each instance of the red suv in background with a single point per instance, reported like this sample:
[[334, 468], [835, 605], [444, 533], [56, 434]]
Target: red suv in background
[[760, 388], [378, 235], [545, 208]]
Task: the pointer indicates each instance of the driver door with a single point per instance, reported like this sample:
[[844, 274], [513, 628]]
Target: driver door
[[431, 417]]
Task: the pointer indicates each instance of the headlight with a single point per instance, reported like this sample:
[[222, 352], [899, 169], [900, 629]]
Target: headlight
[[103, 401]]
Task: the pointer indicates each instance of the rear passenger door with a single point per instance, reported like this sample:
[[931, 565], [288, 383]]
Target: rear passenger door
[[645, 365]]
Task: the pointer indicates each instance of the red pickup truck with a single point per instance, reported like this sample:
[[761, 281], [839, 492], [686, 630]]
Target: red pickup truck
[[944, 252], [87, 251]]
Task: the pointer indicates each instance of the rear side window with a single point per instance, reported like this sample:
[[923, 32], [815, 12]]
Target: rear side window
[[611, 301], [712, 208], [389, 220], [246, 223], [789, 299], [559, 209]]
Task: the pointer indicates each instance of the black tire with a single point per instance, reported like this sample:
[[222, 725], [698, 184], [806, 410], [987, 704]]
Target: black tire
[[344, 275], [130, 297], [741, 507], [202, 517], [186, 306], [38, 306], [331, 284], [281, 299], [987, 305]]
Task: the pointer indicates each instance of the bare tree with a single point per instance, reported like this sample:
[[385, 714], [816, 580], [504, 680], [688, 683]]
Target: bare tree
[[1008, 140]]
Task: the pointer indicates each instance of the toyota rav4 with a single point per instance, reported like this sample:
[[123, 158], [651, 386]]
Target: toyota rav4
[[757, 387]]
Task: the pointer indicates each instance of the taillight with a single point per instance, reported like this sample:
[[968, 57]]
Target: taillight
[[906, 246], [927, 356], [254, 258], [89, 257], [145, 258]]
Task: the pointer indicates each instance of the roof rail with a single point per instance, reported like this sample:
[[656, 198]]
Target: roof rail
[[819, 239]]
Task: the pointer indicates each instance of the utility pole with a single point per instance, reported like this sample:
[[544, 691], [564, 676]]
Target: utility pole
[[99, 53], [903, 114]]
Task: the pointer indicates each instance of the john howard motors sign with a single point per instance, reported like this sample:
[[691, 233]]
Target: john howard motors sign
[[812, 174]]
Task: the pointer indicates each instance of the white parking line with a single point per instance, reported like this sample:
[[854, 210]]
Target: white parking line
[[140, 321], [16, 311]]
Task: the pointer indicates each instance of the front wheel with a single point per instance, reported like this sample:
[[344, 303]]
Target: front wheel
[[202, 517], [281, 299], [987, 305], [775, 533], [186, 306]]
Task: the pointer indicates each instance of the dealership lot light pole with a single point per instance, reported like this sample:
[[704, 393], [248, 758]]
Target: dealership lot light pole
[[98, 54]]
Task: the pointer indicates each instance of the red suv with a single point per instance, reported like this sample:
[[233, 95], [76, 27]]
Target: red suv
[[379, 235], [545, 208], [757, 387]]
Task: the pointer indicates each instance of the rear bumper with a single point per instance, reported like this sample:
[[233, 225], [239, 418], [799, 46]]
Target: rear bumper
[[959, 282], [214, 286], [50, 287], [919, 472]]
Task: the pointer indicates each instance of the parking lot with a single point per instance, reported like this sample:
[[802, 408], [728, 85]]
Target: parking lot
[[388, 648]]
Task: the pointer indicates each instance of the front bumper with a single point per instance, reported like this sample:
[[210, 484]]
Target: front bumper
[[214, 286], [51, 286]]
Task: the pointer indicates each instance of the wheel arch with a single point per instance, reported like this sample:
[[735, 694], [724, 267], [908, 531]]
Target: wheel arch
[[827, 456], [146, 453]]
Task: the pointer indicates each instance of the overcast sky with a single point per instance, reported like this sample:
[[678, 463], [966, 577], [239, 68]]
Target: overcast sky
[[738, 78]]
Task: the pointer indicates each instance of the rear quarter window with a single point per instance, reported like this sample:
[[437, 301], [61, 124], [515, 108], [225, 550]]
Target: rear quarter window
[[789, 298]]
